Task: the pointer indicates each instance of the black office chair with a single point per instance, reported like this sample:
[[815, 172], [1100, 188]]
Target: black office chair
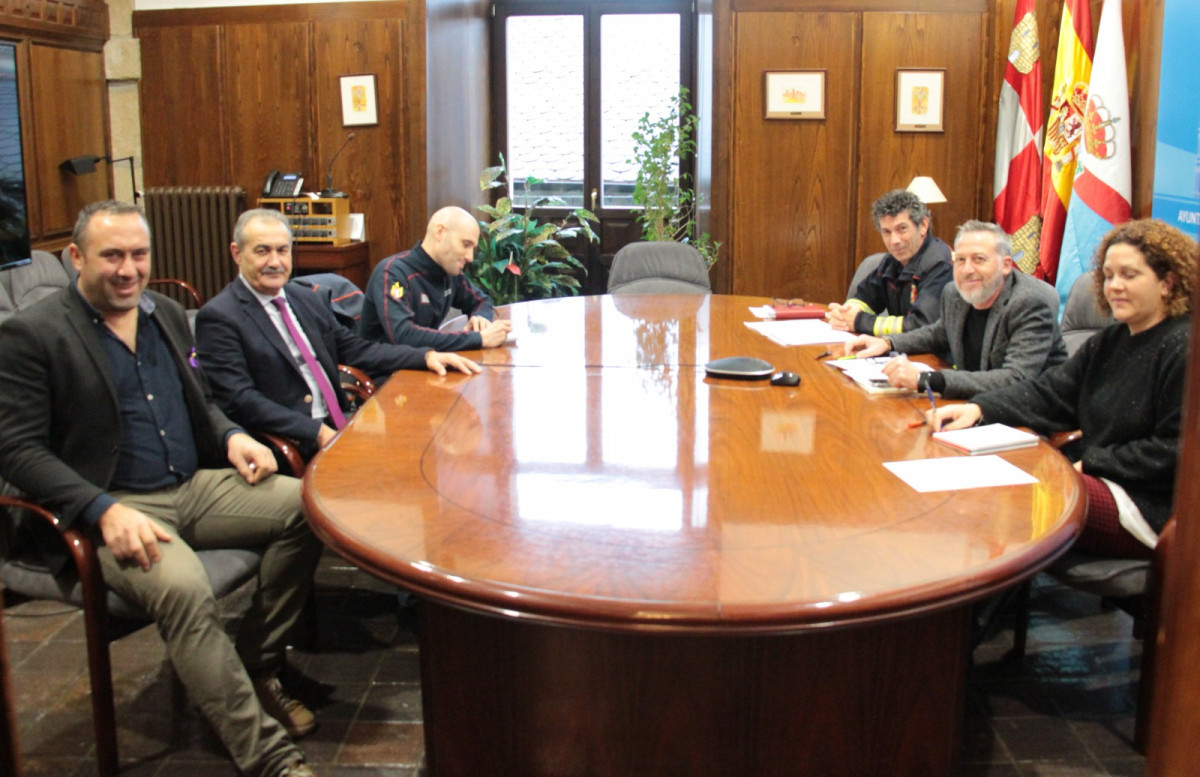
[[865, 268], [106, 616], [658, 268], [1134, 585], [27, 284], [1080, 317]]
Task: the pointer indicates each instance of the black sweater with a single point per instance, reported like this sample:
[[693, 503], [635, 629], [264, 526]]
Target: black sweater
[[1125, 393]]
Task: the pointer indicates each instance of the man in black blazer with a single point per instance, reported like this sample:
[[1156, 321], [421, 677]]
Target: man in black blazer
[[107, 420], [260, 377]]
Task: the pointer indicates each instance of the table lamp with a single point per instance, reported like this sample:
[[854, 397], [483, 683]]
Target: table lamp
[[924, 187]]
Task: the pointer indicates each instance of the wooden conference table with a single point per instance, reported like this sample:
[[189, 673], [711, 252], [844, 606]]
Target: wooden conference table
[[628, 568]]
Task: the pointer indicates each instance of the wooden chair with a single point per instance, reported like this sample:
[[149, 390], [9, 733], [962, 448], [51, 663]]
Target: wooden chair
[[354, 382], [177, 289], [106, 616], [191, 292]]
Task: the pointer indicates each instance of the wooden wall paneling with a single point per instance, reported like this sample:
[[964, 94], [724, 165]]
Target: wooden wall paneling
[[70, 118], [1143, 36], [1173, 747], [457, 96], [28, 142], [183, 128], [792, 182], [859, 6], [375, 166], [414, 112], [889, 159], [267, 72], [80, 24], [278, 105]]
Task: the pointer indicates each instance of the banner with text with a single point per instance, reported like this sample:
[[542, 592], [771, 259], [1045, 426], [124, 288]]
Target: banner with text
[[1177, 153]]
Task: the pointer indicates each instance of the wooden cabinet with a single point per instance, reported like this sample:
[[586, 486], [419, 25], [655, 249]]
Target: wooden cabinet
[[351, 261]]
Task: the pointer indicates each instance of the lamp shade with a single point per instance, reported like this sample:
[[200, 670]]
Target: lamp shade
[[924, 187], [80, 165]]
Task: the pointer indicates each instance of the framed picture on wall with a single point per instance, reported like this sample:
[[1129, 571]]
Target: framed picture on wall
[[919, 100], [359, 108], [794, 94]]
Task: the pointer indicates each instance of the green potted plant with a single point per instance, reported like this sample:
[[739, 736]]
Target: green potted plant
[[521, 258], [668, 204]]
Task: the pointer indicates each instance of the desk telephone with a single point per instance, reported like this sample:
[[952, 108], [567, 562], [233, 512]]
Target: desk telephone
[[280, 184]]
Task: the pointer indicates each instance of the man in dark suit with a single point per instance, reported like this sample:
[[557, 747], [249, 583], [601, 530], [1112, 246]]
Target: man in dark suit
[[997, 325], [262, 376], [106, 419]]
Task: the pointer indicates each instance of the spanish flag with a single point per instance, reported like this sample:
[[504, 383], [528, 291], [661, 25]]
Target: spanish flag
[[1072, 71], [1016, 190], [1103, 188]]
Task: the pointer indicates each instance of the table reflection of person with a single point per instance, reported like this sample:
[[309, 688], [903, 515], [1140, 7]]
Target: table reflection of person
[[1123, 389]]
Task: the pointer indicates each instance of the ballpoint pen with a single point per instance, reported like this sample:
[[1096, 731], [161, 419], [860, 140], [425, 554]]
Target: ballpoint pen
[[932, 404], [823, 354]]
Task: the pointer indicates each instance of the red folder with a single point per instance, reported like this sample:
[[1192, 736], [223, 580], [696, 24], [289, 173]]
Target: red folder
[[783, 312]]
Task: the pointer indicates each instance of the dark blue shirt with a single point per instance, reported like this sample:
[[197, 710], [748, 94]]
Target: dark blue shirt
[[157, 446]]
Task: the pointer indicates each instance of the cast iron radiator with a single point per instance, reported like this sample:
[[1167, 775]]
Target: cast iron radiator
[[190, 231]]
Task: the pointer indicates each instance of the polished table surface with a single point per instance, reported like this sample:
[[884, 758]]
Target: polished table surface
[[593, 473], [593, 476]]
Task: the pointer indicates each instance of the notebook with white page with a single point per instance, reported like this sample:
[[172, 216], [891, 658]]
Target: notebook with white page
[[989, 438]]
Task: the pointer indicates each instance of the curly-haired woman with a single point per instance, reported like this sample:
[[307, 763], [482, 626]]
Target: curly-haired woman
[[1123, 389]]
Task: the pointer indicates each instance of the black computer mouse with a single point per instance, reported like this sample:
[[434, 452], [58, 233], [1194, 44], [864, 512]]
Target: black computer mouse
[[785, 379]]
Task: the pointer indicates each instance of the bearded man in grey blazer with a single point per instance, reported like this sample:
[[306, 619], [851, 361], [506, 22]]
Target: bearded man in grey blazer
[[998, 325]]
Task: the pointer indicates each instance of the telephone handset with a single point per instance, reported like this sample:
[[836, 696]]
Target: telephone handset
[[280, 184]]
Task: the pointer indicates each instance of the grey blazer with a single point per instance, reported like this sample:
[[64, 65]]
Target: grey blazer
[[1021, 340]]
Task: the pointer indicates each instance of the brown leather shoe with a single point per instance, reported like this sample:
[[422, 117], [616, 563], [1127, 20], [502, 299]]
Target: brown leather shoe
[[297, 769], [297, 719]]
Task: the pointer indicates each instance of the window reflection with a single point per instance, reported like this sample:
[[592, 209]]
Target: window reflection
[[599, 501], [642, 429], [549, 416], [623, 442]]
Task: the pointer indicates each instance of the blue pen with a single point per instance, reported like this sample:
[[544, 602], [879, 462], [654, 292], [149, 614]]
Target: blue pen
[[932, 404]]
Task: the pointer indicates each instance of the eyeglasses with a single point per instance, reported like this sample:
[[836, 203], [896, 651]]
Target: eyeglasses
[[793, 302]]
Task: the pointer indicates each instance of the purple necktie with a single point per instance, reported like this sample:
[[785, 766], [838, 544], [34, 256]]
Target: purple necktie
[[331, 400]]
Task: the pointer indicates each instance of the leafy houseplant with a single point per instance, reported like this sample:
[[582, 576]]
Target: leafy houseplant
[[520, 258], [668, 205]]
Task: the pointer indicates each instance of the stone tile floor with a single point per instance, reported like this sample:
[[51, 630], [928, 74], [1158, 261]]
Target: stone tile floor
[[1066, 710]]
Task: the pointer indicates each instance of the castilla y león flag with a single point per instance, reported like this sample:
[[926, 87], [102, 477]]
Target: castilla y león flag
[[1018, 181]]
